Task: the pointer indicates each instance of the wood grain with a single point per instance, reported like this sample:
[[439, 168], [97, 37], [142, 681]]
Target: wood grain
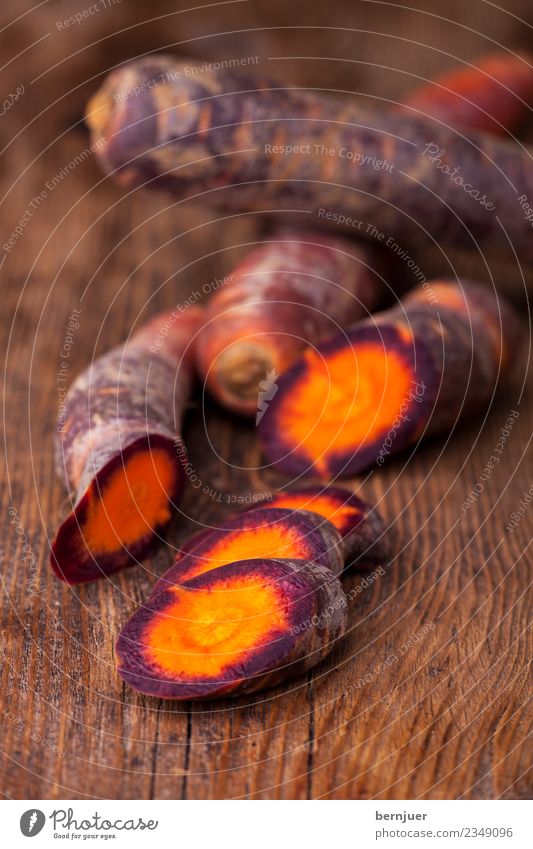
[[428, 695]]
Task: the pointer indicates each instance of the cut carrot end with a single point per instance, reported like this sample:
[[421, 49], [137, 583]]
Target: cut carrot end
[[133, 501], [241, 368], [119, 516], [345, 401], [338, 405], [98, 112]]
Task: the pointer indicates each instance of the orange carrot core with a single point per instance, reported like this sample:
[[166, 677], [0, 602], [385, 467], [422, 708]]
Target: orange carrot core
[[330, 508], [275, 540], [344, 401], [206, 630], [132, 502]]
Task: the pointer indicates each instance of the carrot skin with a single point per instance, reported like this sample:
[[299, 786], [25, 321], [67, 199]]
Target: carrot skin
[[492, 97], [129, 400], [224, 137]]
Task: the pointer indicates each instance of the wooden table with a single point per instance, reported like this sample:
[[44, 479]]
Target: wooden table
[[427, 697]]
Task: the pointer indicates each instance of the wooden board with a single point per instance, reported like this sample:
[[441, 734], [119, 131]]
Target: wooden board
[[427, 697]]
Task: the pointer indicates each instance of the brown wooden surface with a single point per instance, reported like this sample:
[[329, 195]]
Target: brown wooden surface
[[428, 695]]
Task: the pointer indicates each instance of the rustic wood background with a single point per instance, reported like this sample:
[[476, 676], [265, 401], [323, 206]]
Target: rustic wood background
[[427, 697]]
